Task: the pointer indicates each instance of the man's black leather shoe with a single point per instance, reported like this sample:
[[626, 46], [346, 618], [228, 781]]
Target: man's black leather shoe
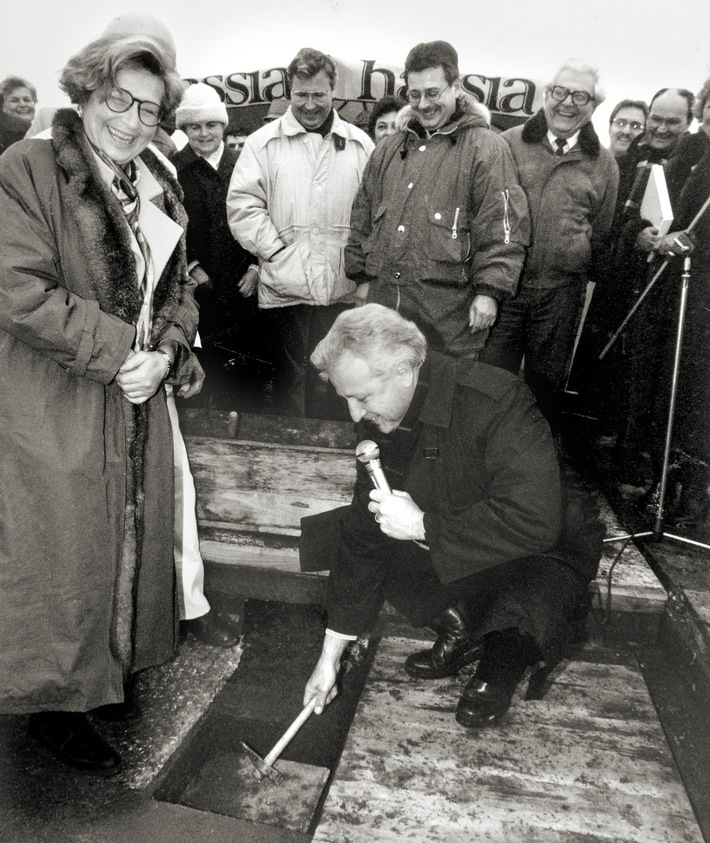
[[214, 629], [452, 650], [484, 703], [73, 740]]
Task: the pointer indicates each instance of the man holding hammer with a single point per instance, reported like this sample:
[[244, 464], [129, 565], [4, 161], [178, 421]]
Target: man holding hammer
[[476, 541]]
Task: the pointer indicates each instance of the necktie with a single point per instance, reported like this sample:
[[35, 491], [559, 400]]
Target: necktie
[[560, 143]]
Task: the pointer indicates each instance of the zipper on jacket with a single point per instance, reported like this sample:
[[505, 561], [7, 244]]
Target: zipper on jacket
[[454, 227], [506, 216]]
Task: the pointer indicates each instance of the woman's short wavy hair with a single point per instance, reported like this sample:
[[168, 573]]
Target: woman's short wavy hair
[[374, 333], [386, 105], [12, 83], [94, 68]]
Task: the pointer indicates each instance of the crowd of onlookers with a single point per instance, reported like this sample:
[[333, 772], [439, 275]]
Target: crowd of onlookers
[[133, 271], [277, 230]]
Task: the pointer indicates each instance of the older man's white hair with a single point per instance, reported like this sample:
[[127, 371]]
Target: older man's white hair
[[582, 67], [375, 333]]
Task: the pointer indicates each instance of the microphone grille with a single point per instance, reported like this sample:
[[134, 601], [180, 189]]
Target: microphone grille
[[367, 450]]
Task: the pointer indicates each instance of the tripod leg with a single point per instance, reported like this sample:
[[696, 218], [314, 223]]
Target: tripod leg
[[660, 512]]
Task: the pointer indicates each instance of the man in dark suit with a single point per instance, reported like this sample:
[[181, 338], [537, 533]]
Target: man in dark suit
[[468, 543]]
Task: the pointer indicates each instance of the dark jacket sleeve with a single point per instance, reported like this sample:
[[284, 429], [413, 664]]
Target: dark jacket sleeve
[[500, 226], [360, 566], [361, 223], [35, 306], [519, 513]]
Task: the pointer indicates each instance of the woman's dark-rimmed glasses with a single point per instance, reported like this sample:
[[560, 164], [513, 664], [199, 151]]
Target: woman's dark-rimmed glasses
[[119, 101]]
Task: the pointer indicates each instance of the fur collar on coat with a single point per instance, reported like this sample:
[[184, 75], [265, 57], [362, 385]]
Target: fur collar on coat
[[535, 129], [107, 250], [104, 229]]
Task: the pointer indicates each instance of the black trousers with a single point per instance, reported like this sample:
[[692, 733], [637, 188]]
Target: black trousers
[[293, 333], [539, 325], [540, 595]]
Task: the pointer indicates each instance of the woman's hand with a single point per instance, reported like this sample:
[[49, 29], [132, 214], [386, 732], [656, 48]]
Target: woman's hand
[[141, 375]]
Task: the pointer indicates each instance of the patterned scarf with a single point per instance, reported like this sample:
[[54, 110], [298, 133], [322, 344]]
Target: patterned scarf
[[124, 185]]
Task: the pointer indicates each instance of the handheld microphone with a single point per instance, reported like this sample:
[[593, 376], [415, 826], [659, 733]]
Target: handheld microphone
[[368, 453]]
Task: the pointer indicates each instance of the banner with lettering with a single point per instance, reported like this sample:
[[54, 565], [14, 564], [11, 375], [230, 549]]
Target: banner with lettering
[[511, 99]]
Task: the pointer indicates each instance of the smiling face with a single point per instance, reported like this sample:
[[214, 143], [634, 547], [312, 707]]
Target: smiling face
[[667, 121], [565, 118], [628, 123], [204, 136], [312, 100], [385, 126], [20, 102], [382, 399], [123, 136], [432, 98]]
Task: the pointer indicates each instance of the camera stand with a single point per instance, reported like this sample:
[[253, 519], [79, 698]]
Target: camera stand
[[658, 532]]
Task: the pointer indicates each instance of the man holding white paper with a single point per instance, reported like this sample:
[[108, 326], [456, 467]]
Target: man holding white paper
[[631, 376]]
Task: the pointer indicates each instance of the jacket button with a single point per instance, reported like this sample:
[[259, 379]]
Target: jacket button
[[400, 228], [398, 275], [437, 216], [410, 185], [422, 147]]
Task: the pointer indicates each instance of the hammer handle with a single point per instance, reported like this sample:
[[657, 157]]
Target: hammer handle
[[283, 741]]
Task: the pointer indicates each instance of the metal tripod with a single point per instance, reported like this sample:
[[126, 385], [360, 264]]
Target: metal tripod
[[658, 532]]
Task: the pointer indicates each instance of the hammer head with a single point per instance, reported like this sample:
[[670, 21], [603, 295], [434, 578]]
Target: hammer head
[[262, 770]]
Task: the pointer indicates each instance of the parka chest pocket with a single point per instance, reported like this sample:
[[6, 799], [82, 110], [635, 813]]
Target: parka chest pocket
[[449, 235], [376, 226]]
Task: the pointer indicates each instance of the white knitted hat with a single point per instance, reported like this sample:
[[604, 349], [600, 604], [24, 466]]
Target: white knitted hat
[[200, 103]]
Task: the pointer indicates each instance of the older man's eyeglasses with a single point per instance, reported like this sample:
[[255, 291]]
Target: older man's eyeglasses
[[578, 97], [431, 94], [620, 124], [119, 101]]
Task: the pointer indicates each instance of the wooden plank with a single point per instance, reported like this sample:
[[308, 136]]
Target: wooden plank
[[589, 762], [267, 488], [255, 492]]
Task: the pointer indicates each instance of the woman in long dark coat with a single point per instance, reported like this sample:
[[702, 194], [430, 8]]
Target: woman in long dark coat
[[96, 311]]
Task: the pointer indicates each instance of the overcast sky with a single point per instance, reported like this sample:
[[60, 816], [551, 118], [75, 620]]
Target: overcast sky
[[640, 46]]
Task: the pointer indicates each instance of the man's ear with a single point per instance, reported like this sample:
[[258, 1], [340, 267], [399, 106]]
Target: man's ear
[[405, 373]]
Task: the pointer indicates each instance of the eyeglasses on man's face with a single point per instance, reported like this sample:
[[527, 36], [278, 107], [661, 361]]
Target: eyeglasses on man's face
[[430, 94], [559, 93], [119, 101], [621, 124], [302, 97]]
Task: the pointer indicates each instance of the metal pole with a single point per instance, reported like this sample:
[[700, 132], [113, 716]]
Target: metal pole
[[660, 512]]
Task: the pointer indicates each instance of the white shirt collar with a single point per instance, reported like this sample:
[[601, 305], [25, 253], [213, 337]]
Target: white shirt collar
[[216, 156], [570, 143]]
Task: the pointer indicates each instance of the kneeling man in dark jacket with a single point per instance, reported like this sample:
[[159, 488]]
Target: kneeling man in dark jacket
[[475, 540]]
